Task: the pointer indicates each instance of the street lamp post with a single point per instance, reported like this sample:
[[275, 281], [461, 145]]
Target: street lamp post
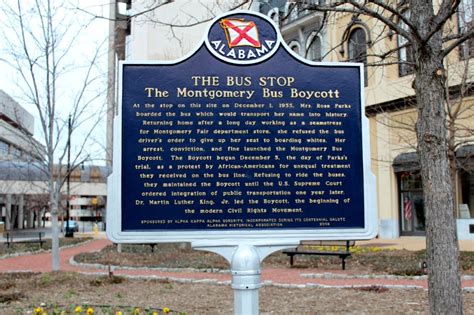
[[69, 231]]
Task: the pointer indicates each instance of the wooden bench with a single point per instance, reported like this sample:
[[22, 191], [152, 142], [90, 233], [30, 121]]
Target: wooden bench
[[24, 237], [342, 250]]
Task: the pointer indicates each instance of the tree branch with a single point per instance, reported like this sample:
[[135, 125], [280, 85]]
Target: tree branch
[[364, 10], [465, 36], [446, 11]]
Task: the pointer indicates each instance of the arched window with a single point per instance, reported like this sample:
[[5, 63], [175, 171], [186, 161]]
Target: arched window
[[274, 14], [357, 48], [313, 50], [405, 51], [295, 46], [291, 11]]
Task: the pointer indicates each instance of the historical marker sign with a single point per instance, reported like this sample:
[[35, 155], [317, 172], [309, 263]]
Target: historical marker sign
[[241, 140]]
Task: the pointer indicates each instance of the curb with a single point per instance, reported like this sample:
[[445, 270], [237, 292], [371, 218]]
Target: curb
[[74, 263]]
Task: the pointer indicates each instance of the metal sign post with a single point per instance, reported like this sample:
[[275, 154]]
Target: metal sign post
[[242, 148], [245, 262]]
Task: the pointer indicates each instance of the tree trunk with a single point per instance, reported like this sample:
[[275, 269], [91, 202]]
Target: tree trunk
[[54, 197], [442, 249], [444, 283], [55, 240]]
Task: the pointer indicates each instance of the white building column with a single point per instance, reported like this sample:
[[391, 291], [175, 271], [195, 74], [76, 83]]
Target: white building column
[[302, 41], [30, 219], [21, 217], [38, 218]]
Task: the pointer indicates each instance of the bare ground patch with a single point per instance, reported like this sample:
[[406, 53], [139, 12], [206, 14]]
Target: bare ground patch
[[362, 260], [74, 289]]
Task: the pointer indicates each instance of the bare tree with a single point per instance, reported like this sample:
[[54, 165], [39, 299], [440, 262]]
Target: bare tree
[[431, 34], [42, 41]]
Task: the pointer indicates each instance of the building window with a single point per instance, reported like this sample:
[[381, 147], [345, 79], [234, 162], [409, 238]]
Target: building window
[[466, 207], [412, 209], [3, 148], [16, 152], [357, 49], [314, 48], [274, 14], [295, 46], [291, 11], [466, 21], [405, 51]]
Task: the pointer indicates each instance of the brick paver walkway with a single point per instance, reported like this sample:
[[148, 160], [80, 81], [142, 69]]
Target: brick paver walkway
[[41, 262]]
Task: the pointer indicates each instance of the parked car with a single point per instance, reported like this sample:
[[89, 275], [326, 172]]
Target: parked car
[[73, 225]]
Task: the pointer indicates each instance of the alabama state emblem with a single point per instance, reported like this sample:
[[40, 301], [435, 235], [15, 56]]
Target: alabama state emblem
[[243, 38]]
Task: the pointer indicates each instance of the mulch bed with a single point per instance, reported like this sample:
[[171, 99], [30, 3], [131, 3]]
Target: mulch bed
[[363, 260]]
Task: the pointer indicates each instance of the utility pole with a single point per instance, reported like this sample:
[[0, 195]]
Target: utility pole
[[69, 231]]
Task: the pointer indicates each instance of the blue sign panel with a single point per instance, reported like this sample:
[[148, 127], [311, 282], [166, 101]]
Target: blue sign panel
[[242, 135]]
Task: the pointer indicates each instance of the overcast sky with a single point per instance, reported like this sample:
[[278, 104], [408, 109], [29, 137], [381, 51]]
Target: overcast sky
[[85, 44]]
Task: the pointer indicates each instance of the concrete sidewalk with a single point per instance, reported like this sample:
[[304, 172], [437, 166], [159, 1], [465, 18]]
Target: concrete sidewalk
[[405, 242], [410, 243]]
